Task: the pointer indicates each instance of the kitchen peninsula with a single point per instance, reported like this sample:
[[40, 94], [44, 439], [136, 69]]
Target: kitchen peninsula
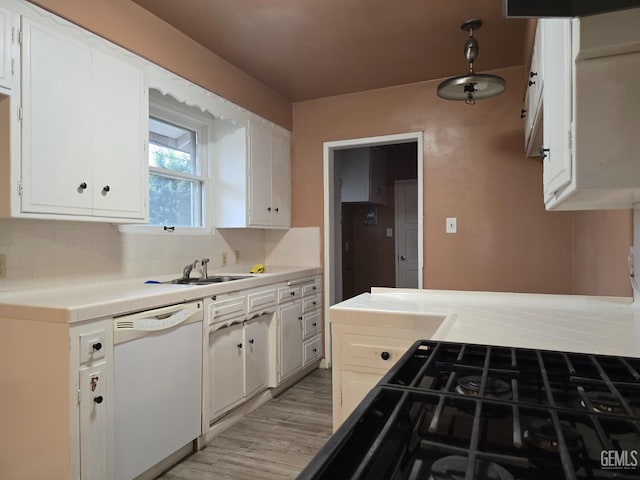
[[370, 332]]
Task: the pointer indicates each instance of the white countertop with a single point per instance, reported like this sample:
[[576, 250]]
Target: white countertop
[[605, 325], [71, 304]]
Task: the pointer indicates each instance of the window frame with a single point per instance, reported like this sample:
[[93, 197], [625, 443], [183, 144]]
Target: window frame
[[169, 110]]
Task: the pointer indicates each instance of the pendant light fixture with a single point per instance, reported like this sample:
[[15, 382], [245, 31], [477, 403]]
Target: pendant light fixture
[[472, 86]]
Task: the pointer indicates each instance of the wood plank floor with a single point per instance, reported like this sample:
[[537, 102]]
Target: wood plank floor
[[274, 442]]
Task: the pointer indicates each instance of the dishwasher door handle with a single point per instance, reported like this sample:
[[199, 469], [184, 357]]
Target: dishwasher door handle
[[153, 321], [162, 322]]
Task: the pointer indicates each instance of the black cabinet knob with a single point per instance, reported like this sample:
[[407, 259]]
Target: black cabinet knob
[[300, 317], [106, 189], [96, 347], [314, 324], [385, 355], [82, 186], [268, 209], [543, 152], [98, 399], [277, 209], [251, 341], [293, 293], [239, 345], [531, 82], [523, 113], [315, 350], [532, 74]]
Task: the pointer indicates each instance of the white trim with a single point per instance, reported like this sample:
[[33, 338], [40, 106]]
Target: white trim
[[328, 164]]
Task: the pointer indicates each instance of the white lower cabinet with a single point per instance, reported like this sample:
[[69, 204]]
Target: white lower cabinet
[[300, 326], [290, 339], [94, 422], [226, 367], [256, 347]]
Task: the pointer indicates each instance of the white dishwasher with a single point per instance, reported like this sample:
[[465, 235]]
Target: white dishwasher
[[157, 385]]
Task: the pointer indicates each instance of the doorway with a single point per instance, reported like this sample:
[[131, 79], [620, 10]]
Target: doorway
[[372, 219]]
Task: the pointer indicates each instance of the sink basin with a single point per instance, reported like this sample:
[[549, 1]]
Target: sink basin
[[208, 280]]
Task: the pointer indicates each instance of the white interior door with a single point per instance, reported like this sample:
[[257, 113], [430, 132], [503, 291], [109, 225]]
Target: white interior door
[[406, 220]]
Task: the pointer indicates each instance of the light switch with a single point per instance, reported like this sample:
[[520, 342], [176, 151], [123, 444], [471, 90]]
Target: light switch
[[389, 232], [452, 225]]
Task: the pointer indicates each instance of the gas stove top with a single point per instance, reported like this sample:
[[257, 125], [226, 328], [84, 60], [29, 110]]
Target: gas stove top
[[462, 411]]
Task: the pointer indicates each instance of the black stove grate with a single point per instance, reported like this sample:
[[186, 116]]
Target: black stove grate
[[449, 399]]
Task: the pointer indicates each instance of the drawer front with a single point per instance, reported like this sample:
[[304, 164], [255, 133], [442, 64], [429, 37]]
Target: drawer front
[[375, 352], [311, 303], [312, 349], [261, 301], [312, 324], [222, 310], [311, 288], [289, 293]]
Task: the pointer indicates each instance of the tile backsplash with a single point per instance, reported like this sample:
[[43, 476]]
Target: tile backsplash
[[42, 253]]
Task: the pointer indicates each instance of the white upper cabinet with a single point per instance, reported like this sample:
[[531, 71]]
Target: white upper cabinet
[[591, 102], [533, 101], [84, 116], [557, 73], [270, 178], [7, 41], [251, 176]]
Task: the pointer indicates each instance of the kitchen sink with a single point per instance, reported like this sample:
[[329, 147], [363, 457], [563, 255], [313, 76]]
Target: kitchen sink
[[208, 280]]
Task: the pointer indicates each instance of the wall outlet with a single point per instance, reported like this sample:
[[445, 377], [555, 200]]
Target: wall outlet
[[237, 252], [224, 259], [3, 265]]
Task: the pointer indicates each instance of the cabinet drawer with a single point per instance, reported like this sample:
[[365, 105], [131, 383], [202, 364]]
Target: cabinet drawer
[[312, 349], [376, 352], [289, 293], [312, 324], [311, 288], [223, 309], [311, 303], [261, 301]]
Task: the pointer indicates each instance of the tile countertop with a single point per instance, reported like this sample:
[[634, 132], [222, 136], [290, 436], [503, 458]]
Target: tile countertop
[[605, 325], [76, 303]]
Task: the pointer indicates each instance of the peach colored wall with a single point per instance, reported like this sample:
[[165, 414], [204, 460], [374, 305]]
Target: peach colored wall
[[601, 245], [129, 25], [474, 169], [36, 416]]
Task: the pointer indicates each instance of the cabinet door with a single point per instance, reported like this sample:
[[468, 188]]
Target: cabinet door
[[5, 48], [281, 181], [290, 333], [557, 73], [354, 386], [226, 369], [260, 206], [120, 130], [93, 422], [256, 337], [57, 128]]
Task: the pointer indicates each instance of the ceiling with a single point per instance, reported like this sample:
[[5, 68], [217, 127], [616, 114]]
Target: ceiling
[[305, 49]]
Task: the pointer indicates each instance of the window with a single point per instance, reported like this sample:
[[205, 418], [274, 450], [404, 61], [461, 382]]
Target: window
[[177, 164]]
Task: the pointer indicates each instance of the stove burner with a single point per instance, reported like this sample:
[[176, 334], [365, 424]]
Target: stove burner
[[495, 388], [604, 402], [454, 467], [542, 434]]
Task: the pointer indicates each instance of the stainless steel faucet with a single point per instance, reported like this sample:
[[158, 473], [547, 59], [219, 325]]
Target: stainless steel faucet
[[186, 271], [203, 272]]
